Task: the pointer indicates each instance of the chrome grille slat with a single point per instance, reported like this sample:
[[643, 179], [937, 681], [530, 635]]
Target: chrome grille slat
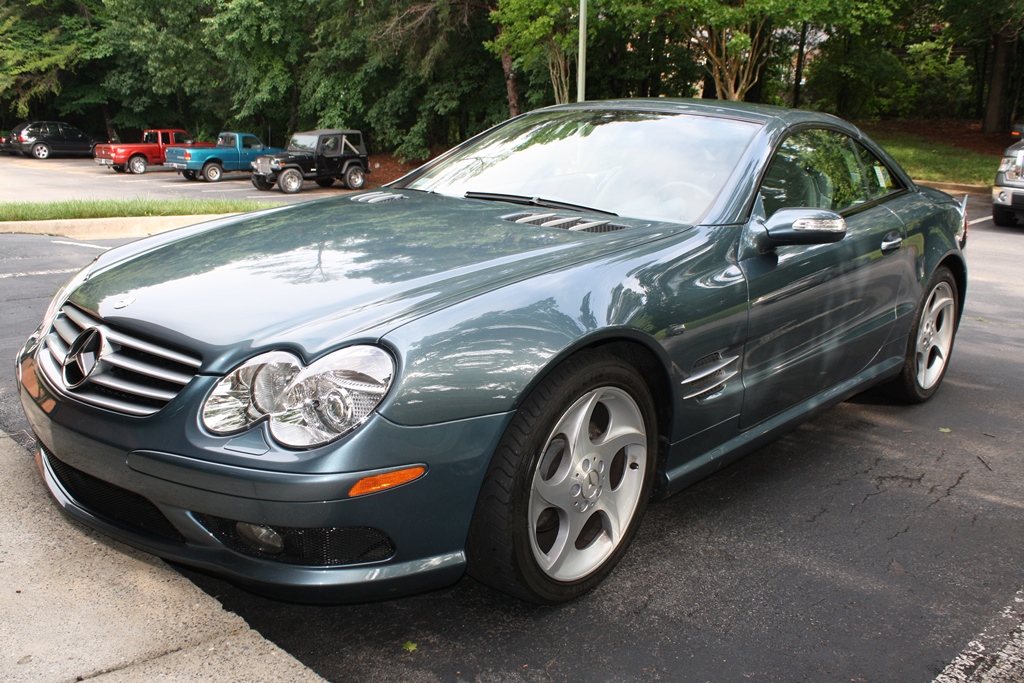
[[149, 370], [570, 223], [113, 382], [131, 375]]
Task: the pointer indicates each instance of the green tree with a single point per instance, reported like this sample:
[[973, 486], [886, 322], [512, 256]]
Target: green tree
[[541, 36]]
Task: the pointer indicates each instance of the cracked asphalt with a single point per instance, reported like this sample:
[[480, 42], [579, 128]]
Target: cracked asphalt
[[875, 543]]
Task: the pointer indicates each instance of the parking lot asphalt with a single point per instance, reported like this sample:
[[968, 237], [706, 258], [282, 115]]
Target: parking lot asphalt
[[78, 606]]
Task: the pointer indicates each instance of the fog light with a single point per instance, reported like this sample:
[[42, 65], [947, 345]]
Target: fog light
[[262, 538], [1002, 197]]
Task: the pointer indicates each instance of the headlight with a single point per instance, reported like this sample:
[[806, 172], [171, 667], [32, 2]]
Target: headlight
[[1011, 167], [61, 297], [305, 406], [275, 163]]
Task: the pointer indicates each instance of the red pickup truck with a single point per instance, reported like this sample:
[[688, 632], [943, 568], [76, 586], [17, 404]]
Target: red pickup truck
[[137, 157]]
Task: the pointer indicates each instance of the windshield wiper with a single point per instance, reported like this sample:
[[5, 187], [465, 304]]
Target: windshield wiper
[[534, 201]]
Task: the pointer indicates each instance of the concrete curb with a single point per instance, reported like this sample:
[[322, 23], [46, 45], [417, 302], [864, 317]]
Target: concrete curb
[[105, 228], [956, 188], [76, 605]]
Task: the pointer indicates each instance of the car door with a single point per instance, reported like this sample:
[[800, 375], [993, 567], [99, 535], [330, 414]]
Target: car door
[[252, 147], [74, 140], [328, 156], [819, 314]]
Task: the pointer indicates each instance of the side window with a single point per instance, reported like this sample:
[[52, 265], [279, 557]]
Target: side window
[[330, 146], [165, 138], [71, 132], [814, 168], [879, 180], [150, 137], [182, 139], [251, 142]]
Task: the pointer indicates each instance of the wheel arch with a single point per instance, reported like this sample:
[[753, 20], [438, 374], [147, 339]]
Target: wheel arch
[[958, 268]]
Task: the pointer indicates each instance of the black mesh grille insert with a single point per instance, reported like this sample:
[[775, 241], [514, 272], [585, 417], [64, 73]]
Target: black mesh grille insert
[[316, 547], [118, 505]]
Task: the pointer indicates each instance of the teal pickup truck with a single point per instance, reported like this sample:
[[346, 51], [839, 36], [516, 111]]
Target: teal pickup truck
[[233, 152]]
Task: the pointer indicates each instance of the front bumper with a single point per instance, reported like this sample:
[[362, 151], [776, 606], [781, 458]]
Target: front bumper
[[133, 469]]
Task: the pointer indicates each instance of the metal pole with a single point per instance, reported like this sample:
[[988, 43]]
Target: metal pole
[[581, 66]]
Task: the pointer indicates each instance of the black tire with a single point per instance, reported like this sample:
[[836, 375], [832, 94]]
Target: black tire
[[290, 181], [261, 184], [325, 182], [552, 552], [213, 172], [930, 344], [41, 151], [1004, 217], [119, 168], [138, 164], [355, 177], [189, 175]]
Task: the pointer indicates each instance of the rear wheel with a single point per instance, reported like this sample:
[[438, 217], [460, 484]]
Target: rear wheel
[[290, 181], [355, 178], [1003, 217], [568, 484], [138, 164], [40, 151], [931, 340], [212, 172]]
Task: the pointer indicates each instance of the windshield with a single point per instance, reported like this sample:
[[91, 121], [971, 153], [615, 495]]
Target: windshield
[[649, 165], [302, 143]]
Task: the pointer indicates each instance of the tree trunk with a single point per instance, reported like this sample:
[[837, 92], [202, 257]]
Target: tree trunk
[[511, 85], [799, 75], [995, 121]]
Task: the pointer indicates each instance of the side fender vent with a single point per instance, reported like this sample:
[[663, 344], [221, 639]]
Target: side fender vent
[[570, 223], [709, 376], [378, 197]]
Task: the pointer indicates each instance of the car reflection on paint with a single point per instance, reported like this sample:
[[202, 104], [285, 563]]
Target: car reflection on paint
[[496, 362]]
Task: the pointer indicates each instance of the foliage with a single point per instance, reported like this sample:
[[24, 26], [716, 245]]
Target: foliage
[[113, 208]]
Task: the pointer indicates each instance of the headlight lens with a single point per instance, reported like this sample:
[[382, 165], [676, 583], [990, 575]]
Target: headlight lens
[[1010, 167], [61, 297], [305, 406], [275, 163]]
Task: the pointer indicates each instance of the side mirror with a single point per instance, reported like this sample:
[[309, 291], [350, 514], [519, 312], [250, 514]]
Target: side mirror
[[804, 226]]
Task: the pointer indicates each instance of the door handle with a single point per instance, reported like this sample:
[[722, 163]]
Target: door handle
[[892, 241]]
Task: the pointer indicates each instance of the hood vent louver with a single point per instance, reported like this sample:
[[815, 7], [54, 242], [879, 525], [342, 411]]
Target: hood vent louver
[[378, 197], [571, 223]]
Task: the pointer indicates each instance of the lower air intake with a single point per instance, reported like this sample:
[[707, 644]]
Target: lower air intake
[[314, 547]]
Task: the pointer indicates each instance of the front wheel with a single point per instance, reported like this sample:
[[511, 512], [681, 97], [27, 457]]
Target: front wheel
[[40, 151], [568, 484], [261, 184], [137, 165], [931, 340], [290, 181], [355, 178]]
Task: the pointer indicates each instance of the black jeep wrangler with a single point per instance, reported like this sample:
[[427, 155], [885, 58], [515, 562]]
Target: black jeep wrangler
[[320, 155]]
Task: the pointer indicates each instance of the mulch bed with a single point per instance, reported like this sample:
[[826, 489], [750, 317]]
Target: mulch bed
[[964, 134]]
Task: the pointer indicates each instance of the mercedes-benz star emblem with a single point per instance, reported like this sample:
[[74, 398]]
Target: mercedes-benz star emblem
[[83, 357]]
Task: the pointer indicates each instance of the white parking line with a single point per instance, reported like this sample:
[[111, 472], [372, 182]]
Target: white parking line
[[980, 220], [992, 657], [35, 273], [80, 244]]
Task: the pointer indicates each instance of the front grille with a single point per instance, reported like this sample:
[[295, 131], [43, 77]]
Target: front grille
[[570, 223], [131, 375], [263, 165], [314, 547], [116, 504]]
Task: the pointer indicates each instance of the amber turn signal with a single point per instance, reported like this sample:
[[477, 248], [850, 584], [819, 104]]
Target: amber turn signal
[[379, 482]]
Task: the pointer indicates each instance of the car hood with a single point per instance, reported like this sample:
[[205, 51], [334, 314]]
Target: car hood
[[310, 276]]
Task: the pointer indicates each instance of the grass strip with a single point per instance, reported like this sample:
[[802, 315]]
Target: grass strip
[[117, 208], [927, 159]]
